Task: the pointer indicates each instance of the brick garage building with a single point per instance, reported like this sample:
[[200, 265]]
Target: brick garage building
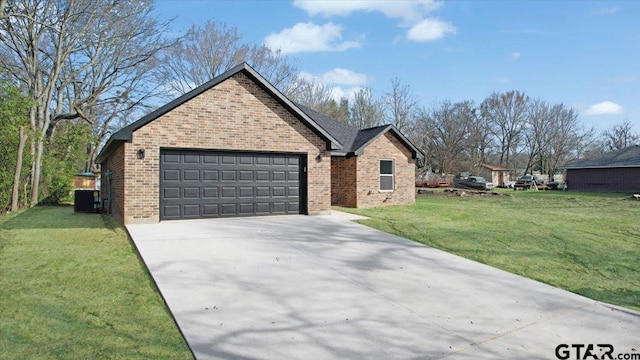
[[613, 171], [237, 146]]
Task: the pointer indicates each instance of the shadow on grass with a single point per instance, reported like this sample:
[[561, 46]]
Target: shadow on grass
[[58, 217]]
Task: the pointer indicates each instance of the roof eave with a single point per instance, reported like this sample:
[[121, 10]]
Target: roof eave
[[598, 167]]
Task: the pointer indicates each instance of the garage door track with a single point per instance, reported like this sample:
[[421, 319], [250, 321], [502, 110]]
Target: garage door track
[[323, 287]]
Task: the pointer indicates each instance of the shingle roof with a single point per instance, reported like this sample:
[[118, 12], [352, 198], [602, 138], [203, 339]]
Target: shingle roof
[[340, 138], [352, 139], [627, 157]]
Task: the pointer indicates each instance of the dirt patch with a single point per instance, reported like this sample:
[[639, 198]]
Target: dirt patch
[[460, 193]]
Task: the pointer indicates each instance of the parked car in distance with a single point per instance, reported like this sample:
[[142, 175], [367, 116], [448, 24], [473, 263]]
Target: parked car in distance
[[473, 182]]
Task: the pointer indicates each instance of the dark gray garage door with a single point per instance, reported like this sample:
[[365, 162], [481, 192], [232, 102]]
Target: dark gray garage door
[[202, 184]]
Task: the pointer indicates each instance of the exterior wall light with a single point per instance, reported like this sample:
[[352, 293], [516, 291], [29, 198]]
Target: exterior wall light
[[140, 153]]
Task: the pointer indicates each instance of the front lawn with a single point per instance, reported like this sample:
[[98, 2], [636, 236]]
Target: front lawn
[[72, 287], [586, 243]]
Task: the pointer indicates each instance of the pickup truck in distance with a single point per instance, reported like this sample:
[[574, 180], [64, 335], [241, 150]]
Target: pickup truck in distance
[[527, 181], [473, 182]]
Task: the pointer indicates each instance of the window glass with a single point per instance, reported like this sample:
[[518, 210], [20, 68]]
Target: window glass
[[386, 175]]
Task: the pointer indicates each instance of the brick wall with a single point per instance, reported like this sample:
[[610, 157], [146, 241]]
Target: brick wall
[[234, 115], [113, 190], [343, 181], [368, 169]]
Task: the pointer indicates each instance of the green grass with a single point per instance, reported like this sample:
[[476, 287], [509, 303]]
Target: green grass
[[72, 287], [586, 243]]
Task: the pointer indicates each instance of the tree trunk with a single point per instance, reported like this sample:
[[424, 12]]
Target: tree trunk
[[35, 179], [15, 191]]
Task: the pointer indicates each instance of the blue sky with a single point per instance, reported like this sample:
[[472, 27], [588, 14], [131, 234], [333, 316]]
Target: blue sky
[[585, 54]]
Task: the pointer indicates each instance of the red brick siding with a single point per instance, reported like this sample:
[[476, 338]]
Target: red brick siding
[[368, 170], [113, 190], [343, 181], [234, 115]]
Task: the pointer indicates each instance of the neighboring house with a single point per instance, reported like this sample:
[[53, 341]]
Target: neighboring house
[[613, 171], [498, 175], [236, 146]]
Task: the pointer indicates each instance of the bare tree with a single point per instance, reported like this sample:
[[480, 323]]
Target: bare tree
[[209, 50], [310, 93], [563, 137], [448, 127], [539, 123], [366, 111], [60, 53], [507, 114], [400, 104], [620, 136]]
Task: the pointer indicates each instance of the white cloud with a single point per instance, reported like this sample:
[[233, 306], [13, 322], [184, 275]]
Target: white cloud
[[343, 76], [623, 79], [604, 108], [409, 11], [515, 56], [342, 82], [338, 92], [501, 80], [337, 76], [309, 37], [605, 11], [430, 29]]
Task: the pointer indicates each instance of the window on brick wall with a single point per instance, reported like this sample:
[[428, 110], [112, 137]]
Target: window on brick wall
[[386, 175]]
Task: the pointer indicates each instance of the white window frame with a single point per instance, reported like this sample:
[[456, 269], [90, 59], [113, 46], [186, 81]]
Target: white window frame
[[392, 175]]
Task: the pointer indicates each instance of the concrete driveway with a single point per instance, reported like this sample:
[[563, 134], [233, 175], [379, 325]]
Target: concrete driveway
[[323, 287]]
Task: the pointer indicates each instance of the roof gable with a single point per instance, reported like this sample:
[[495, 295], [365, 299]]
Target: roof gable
[[125, 134], [627, 157], [354, 140]]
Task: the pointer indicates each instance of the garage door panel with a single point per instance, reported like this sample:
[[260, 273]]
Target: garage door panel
[[197, 184], [263, 191], [246, 209], [191, 175], [209, 159], [171, 175], [245, 192], [245, 175], [191, 210], [229, 209], [278, 176], [228, 175], [279, 207], [278, 191], [191, 193], [171, 193], [262, 175], [229, 159], [228, 192], [210, 175], [209, 192], [263, 208], [171, 211], [210, 209], [191, 158]]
